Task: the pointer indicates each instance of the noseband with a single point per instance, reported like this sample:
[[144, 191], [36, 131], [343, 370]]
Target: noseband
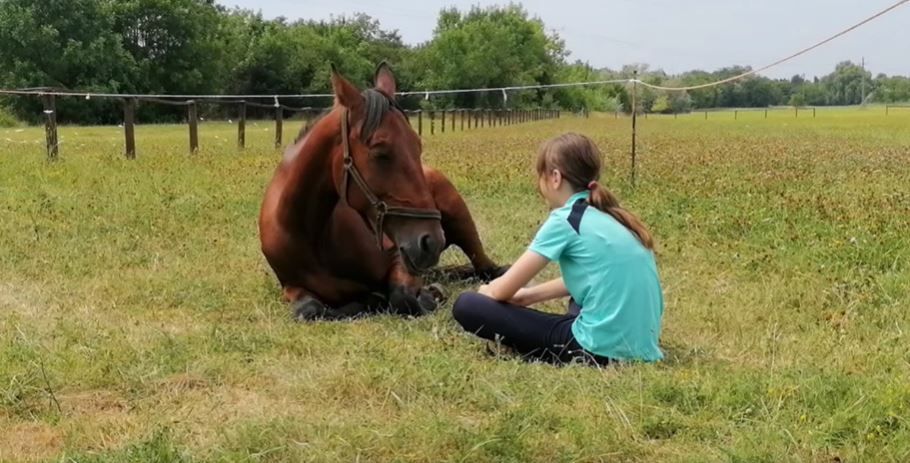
[[381, 208]]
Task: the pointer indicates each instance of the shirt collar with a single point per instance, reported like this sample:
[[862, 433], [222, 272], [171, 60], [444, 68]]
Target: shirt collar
[[584, 194]]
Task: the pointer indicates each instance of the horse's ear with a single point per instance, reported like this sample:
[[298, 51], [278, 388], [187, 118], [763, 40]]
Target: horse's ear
[[346, 94], [384, 80]]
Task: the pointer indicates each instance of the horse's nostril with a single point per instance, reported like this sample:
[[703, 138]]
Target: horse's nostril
[[426, 243]]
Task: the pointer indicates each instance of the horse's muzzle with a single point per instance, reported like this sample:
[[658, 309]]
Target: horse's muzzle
[[422, 252]]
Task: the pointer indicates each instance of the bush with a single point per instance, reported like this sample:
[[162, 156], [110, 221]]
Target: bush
[[7, 119]]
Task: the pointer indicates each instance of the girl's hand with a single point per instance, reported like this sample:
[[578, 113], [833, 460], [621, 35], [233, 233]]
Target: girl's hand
[[521, 297]]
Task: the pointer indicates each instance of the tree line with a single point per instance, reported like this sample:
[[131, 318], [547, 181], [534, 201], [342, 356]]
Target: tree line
[[200, 47]]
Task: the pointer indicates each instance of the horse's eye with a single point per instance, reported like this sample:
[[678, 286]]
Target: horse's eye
[[381, 156]]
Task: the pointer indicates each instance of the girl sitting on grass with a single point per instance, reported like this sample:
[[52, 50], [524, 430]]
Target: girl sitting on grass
[[605, 254]]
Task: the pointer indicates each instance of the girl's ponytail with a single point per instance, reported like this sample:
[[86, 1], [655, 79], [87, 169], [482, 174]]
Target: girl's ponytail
[[604, 200]]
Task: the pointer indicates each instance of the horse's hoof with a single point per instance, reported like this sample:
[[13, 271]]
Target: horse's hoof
[[308, 309], [438, 292], [376, 302], [426, 302], [490, 274], [402, 302]]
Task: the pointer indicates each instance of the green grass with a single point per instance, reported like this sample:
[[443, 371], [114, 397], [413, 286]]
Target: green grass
[[139, 322]]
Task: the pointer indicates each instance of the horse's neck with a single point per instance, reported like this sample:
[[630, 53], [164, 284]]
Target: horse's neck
[[309, 188]]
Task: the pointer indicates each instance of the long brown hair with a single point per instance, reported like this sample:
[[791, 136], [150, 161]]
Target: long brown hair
[[577, 158]]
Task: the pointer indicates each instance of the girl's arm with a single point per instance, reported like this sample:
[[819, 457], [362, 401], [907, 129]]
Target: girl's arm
[[520, 274], [552, 289]]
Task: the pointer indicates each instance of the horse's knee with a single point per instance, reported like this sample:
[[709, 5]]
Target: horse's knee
[[293, 294]]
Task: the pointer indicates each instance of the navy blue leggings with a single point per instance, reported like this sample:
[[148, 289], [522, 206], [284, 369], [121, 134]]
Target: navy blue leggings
[[532, 333]]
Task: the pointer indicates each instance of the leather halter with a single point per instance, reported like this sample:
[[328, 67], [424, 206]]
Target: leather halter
[[381, 208]]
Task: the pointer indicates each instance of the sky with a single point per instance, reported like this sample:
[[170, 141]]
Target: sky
[[673, 35]]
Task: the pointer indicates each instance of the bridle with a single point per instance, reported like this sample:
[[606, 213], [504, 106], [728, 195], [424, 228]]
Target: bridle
[[381, 208]]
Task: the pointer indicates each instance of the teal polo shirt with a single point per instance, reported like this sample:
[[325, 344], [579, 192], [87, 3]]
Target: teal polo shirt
[[611, 275]]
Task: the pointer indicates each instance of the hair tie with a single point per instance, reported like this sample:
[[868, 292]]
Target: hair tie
[[592, 185]]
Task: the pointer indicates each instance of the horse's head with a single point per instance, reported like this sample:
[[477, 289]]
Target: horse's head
[[378, 170]]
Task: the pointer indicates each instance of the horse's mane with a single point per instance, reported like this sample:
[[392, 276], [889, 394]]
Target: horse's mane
[[376, 105]]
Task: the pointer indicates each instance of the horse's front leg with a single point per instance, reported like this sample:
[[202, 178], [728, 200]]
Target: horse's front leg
[[459, 227], [407, 295]]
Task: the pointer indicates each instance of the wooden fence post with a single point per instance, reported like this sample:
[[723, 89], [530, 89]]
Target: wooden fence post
[[462, 119], [129, 130], [420, 122], [50, 127], [432, 122], [241, 126], [634, 125], [279, 125], [453, 120], [813, 112], [193, 120], [443, 125]]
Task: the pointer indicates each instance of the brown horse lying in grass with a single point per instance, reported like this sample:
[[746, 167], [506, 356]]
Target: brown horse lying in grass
[[352, 217]]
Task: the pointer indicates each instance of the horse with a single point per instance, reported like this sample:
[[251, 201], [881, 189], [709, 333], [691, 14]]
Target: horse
[[352, 218]]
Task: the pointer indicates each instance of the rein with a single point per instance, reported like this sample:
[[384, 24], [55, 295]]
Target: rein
[[381, 208]]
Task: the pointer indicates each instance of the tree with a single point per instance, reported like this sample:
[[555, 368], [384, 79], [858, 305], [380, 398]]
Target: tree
[[490, 47], [176, 44], [593, 98], [65, 44], [680, 102], [844, 85], [798, 100], [197, 46], [892, 89], [661, 105]]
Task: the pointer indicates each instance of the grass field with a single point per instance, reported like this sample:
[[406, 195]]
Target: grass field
[[139, 322]]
